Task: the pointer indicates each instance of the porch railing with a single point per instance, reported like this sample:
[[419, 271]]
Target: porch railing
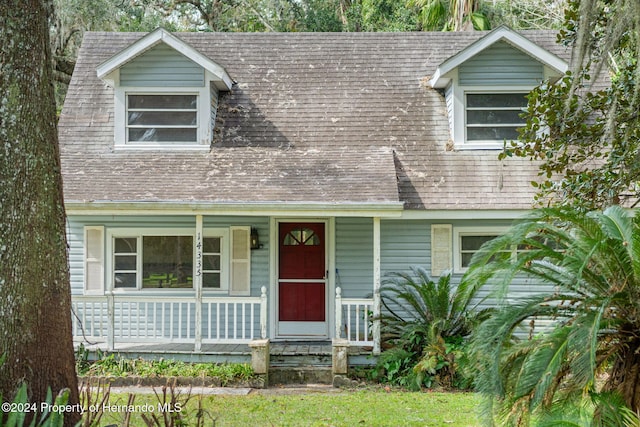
[[354, 319], [116, 318]]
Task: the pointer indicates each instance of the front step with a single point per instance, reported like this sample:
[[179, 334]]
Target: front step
[[301, 375], [300, 354], [300, 362]]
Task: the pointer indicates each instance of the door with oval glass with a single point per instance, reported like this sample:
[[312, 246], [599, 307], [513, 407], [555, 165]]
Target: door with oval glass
[[302, 281]]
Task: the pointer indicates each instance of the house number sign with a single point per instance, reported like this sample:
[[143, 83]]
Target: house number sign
[[199, 254]]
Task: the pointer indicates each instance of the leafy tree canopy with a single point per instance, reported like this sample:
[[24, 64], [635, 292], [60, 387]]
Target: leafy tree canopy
[[585, 129]]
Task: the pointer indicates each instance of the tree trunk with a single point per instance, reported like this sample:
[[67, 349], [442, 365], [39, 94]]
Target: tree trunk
[[625, 375], [35, 303]]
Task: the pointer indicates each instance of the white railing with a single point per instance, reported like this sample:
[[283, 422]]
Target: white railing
[[160, 319], [354, 319]]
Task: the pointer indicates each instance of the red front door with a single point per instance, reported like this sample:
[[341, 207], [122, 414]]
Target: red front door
[[302, 272]]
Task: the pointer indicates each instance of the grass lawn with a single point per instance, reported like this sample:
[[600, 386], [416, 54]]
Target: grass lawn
[[369, 407]]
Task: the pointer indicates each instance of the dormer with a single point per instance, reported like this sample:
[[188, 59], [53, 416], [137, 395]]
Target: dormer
[[486, 84], [165, 94]]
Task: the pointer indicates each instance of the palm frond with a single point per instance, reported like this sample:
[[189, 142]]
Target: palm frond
[[592, 264]]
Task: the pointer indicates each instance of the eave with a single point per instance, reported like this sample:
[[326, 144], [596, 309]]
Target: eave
[[283, 209]]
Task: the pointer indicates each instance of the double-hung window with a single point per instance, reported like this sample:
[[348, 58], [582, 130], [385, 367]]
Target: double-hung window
[[162, 118], [493, 117]]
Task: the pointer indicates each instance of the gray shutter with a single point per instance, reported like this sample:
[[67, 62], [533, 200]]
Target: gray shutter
[[240, 261], [94, 259], [441, 248]]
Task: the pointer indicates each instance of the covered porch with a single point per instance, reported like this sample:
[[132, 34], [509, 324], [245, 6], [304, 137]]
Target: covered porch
[[204, 328]]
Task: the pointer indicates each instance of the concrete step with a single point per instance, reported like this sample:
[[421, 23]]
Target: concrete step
[[300, 360], [300, 354], [300, 375]]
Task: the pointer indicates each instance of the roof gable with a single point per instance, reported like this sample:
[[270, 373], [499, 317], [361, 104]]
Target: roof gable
[[162, 66], [106, 70], [503, 34]]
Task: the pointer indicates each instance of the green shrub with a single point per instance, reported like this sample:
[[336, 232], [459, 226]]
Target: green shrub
[[424, 325], [113, 366]]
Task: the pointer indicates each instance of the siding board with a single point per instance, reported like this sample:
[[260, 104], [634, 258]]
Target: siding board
[[501, 65], [162, 66], [354, 256]]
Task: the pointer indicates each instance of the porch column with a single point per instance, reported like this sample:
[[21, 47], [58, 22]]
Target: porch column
[[376, 285], [111, 309], [197, 282]]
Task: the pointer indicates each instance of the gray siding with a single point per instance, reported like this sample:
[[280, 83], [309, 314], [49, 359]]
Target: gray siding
[[449, 99], [162, 66], [354, 256], [501, 65], [404, 244], [214, 108]]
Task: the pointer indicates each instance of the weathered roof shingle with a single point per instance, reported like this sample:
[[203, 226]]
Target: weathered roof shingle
[[313, 117]]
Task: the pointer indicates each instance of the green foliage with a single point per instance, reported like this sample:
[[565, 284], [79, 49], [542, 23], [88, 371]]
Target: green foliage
[[587, 142], [425, 323], [525, 14], [450, 15], [43, 416], [113, 366], [585, 133], [592, 264]]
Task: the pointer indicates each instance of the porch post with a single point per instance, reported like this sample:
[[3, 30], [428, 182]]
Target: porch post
[[110, 320], [197, 281], [263, 312], [339, 312], [376, 285]]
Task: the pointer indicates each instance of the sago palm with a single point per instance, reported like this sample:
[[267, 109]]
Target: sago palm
[[428, 319], [591, 354]]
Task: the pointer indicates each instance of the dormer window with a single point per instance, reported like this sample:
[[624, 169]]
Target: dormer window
[[165, 94], [485, 87], [493, 117], [166, 119]]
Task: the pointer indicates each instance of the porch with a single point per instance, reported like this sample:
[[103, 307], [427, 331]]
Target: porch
[[207, 328]]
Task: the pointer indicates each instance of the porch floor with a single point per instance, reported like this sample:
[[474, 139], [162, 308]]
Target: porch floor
[[225, 353]]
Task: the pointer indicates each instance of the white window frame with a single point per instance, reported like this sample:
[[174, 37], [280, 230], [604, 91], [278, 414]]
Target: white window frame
[[459, 94], [490, 92], [223, 234], [203, 134], [139, 234], [459, 232]]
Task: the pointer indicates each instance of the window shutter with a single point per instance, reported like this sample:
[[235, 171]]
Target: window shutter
[[441, 251], [240, 261], [94, 259]]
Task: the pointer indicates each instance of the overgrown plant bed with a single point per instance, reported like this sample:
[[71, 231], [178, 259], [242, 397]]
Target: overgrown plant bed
[[120, 371]]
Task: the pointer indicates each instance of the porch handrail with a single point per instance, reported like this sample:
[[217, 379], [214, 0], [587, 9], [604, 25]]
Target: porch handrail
[[354, 318], [115, 317]]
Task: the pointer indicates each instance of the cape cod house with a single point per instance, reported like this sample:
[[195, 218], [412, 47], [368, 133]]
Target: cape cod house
[[224, 188]]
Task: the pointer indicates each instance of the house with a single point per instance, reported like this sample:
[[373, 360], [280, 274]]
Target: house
[[228, 188]]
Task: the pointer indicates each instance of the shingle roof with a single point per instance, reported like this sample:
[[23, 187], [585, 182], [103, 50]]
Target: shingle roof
[[314, 117]]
